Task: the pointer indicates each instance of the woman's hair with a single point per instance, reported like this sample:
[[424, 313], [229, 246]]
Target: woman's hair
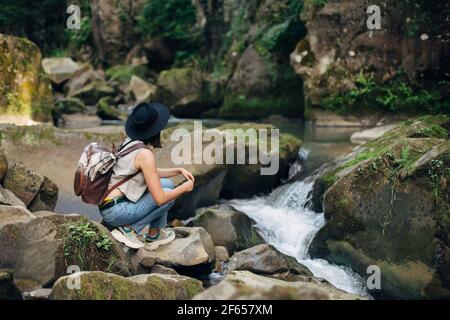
[[154, 141]]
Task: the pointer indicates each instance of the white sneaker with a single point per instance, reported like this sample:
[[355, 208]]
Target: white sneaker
[[165, 236], [128, 237]]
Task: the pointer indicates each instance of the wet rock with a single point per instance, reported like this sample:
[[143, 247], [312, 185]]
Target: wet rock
[[8, 198], [69, 106], [266, 259], [59, 69], [25, 91], [244, 285], [381, 209], [192, 247], [39, 250], [106, 286], [8, 290], [228, 227], [92, 92], [141, 89]]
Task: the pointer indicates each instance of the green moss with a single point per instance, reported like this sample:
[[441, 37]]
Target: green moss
[[395, 95], [123, 73]]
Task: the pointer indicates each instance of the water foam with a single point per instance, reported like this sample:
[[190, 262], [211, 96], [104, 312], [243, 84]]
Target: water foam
[[285, 221]]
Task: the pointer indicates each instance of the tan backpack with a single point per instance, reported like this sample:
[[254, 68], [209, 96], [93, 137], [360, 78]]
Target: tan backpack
[[95, 168]]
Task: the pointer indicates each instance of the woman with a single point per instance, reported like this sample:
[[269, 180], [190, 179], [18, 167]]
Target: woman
[[145, 199]]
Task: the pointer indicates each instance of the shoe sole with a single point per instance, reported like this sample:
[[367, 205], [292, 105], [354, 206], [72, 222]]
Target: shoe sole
[[119, 236], [155, 245]]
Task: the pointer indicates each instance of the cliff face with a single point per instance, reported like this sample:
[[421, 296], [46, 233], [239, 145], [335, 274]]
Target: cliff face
[[414, 38]]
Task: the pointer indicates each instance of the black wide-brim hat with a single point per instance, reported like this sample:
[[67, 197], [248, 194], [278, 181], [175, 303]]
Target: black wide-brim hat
[[146, 120]]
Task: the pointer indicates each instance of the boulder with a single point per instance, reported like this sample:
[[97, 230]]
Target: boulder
[[192, 247], [39, 250], [106, 286], [25, 90], [59, 69], [107, 110], [8, 198], [387, 205], [36, 192], [222, 257], [222, 253], [246, 180], [92, 92], [46, 198], [266, 259], [80, 78], [8, 290], [244, 285], [23, 182], [187, 92], [142, 90], [228, 227], [364, 136]]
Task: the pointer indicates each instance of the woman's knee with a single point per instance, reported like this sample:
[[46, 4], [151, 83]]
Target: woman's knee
[[167, 183]]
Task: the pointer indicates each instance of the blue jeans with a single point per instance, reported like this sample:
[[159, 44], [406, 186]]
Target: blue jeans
[[138, 215]]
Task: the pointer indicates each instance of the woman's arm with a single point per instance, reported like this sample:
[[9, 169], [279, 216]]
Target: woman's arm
[[145, 161], [172, 172]]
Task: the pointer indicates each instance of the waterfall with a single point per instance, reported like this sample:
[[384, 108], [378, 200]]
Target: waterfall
[[285, 221]]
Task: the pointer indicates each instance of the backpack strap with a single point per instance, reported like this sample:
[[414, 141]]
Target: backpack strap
[[120, 154], [121, 182]]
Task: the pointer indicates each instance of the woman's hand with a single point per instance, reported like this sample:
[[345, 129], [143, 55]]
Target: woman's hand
[[188, 186], [189, 176]]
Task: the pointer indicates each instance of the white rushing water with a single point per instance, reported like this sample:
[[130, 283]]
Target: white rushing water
[[287, 223]]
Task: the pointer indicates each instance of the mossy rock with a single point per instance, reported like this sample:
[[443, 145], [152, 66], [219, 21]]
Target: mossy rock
[[123, 73], [107, 110], [390, 201], [106, 286], [187, 92], [24, 89], [246, 180], [92, 92]]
